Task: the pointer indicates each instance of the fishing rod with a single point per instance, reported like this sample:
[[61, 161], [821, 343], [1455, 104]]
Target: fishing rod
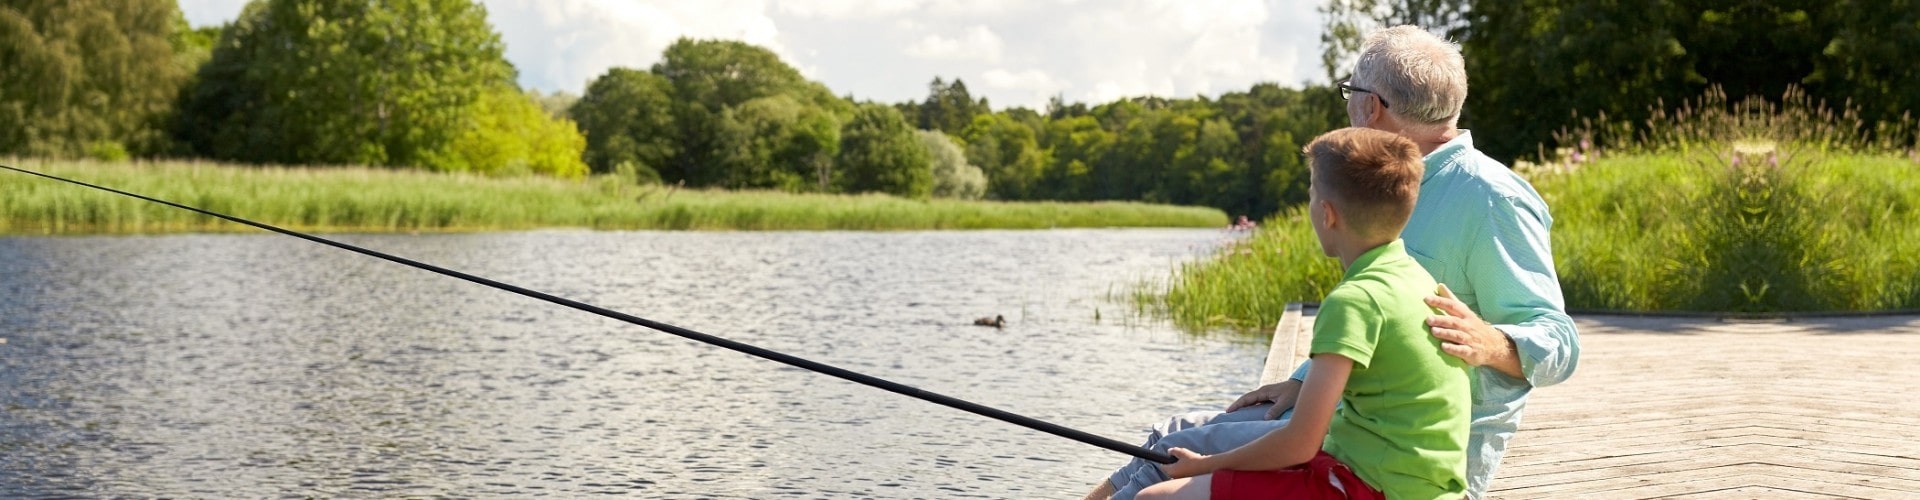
[[883, 384]]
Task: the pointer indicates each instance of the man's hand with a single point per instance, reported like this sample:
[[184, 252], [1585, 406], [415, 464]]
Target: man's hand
[[1282, 394], [1464, 335], [1190, 464]]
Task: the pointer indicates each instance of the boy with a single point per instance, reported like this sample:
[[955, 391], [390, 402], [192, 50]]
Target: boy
[[1402, 425]]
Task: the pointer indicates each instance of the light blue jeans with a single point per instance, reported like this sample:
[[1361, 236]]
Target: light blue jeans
[[1203, 432]]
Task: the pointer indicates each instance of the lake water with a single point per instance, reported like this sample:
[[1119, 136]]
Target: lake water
[[259, 365]]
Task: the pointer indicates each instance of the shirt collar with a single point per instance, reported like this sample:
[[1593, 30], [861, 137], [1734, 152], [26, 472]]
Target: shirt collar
[[1392, 251], [1445, 155]]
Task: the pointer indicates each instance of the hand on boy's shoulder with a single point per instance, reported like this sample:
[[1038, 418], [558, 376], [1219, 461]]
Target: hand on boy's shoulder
[[1464, 335]]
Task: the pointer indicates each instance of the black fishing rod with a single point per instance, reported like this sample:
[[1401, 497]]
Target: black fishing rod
[[890, 386]]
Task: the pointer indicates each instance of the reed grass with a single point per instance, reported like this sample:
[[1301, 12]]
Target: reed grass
[[1247, 284], [354, 199]]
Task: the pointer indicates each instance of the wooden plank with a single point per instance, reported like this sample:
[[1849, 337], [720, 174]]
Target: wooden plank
[[1291, 337]]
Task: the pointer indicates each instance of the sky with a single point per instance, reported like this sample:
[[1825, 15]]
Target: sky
[[1013, 52]]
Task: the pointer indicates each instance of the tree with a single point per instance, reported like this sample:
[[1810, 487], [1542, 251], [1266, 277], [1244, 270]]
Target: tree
[[878, 152], [1579, 59], [779, 143], [710, 76], [510, 134], [1008, 152], [627, 115], [952, 176], [1868, 58], [342, 81], [556, 104], [87, 77], [1349, 21], [949, 108]]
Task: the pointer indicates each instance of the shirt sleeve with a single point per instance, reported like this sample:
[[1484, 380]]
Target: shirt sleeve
[[1348, 324], [1518, 291]]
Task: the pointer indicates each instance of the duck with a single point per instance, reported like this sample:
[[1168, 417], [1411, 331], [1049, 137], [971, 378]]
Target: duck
[[997, 321]]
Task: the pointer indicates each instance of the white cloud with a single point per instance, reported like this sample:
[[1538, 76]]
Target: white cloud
[[977, 43], [1016, 52], [564, 44], [1032, 79], [847, 9]]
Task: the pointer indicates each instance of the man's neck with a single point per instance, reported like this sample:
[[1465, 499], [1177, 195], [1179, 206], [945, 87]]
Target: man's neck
[[1430, 140]]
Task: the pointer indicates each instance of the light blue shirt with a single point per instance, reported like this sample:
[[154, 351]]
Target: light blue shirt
[[1483, 231]]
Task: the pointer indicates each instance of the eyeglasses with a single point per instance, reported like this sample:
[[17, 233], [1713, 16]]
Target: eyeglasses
[[1347, 89]]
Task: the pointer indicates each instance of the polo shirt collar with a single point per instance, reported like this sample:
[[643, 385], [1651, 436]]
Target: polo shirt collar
[[1390, 252]]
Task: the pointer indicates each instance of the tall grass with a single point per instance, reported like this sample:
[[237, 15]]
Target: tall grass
[[1748, 207], [380, 200], [1771, 232], [1248, 284]]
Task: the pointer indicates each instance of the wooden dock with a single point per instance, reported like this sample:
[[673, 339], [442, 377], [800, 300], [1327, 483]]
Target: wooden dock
[[1704, 408]]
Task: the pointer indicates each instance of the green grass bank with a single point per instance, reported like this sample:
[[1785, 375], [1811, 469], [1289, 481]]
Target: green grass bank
[[349, 199], [1746, 229]]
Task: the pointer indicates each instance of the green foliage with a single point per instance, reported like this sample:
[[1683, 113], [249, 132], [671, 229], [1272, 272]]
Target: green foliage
[[1008, 151], [1747, 206], [390, 83], [358, 199], [556, 104], [628, 119], [952, 176], [85, 77], [510, 134], [1537, 66], [777, 143], [1867, 59], [879, 153], [949, 108], [708, 77]]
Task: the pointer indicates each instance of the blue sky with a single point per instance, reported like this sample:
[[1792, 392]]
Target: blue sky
[[1014, 52]]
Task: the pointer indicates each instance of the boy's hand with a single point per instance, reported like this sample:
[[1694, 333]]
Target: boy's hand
[[1282, 394], [1464, 335], [1190, 464]]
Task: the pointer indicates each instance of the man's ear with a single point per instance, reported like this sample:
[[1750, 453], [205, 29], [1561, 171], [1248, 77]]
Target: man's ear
[[1377, 113]]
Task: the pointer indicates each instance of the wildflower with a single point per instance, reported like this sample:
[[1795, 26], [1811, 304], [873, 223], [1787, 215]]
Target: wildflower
[[1579, 158], [1586, 144], [1773, 160]]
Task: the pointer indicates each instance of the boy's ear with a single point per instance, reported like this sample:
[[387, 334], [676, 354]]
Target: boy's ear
[[1333, 215]]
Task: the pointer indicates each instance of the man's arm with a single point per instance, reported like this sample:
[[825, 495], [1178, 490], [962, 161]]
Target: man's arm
[[1290, 445], [1526, 333]]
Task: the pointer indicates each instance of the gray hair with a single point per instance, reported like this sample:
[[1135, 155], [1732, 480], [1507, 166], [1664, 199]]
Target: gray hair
[[1421, 76]]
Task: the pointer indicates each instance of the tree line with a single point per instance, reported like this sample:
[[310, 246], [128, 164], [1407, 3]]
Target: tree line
[[1537, 66], [424, 84]]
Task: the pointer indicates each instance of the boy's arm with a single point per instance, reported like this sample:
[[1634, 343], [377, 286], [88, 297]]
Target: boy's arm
[[1290, 445]]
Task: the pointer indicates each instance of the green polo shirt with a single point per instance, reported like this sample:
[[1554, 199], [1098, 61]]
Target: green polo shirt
[[1404, 415]]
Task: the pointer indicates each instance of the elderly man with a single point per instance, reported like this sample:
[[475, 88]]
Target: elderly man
[[1477, 228]]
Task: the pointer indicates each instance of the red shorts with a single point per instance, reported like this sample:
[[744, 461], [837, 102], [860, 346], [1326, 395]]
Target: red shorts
[[1311, 480]]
